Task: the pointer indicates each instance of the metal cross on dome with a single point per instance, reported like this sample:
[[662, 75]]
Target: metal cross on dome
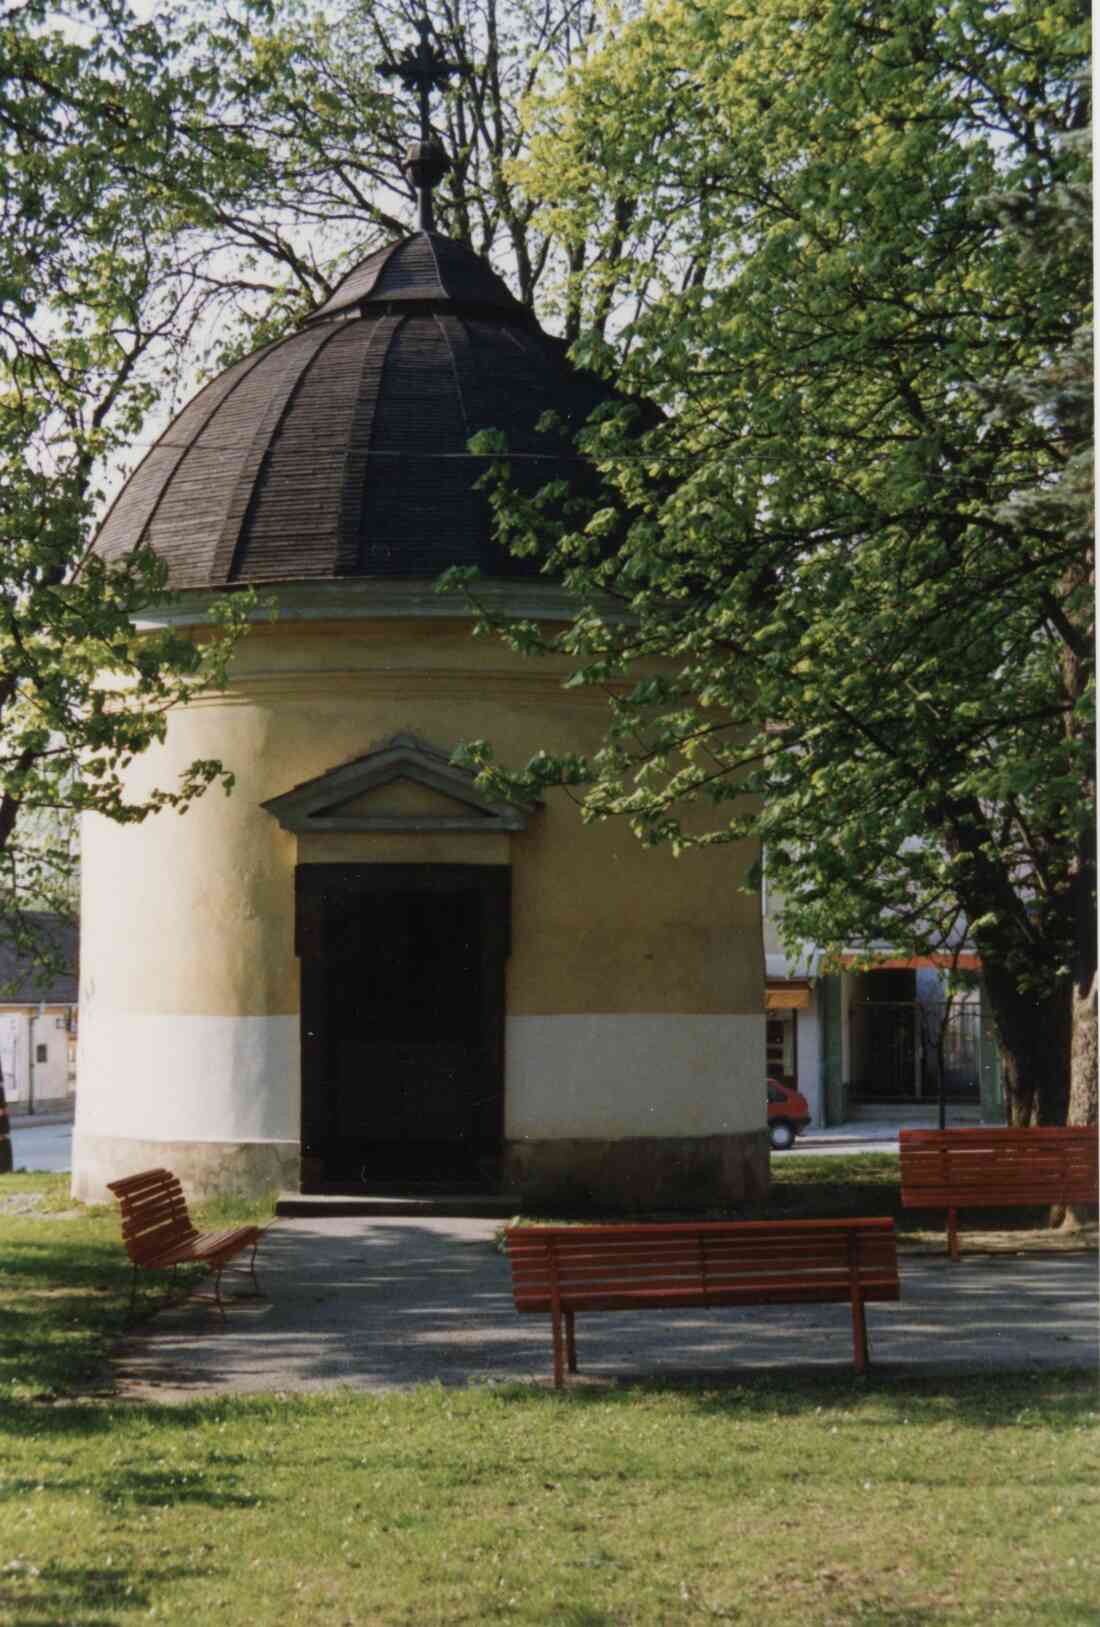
[[422, 68]]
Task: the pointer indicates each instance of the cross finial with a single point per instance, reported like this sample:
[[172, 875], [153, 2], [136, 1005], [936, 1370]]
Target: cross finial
[[423, 69]]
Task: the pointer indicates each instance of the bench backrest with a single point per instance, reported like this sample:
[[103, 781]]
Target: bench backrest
[[953, 1168], [154, 1213], [605, 1266]]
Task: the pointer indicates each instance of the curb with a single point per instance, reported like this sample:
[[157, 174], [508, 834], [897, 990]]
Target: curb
[[845, 1141]]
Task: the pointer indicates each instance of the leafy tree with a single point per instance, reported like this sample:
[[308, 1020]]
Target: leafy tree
[[176, 190], [849, 608], [104, 140], [1060, 392], [328, 134]]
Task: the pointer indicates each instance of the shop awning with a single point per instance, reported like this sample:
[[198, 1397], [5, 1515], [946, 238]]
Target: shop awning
[[787, 994]]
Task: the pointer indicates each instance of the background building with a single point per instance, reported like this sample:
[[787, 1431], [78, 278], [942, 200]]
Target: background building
[[38, 1021], [872, 1044]]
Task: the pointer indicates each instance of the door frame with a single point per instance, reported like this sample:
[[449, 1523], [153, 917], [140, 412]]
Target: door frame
[[312, 884]]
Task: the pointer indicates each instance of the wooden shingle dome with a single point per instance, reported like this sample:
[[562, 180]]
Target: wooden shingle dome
[[342, 450]]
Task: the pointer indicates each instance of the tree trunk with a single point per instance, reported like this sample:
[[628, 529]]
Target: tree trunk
[[5, 1135], [1035, 1037], [1083, 1078], [1035, 1027], [1084, 1058]]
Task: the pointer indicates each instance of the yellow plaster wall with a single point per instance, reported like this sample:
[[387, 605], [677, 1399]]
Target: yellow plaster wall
[[599, 924]]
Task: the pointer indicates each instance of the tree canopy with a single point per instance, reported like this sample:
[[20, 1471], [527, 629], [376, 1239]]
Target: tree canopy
[[850, 610], [175, 190], [304, 89], [104, 142], [853, 551]]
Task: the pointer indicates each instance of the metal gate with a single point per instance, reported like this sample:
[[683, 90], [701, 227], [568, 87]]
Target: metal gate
[[901, 1049]]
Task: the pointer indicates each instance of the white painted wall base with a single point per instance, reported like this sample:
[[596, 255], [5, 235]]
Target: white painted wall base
[[187, 1078], [220, 1096], [608, 1076]]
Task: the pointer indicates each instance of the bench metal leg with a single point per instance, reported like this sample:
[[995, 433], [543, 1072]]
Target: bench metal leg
[[559, 1351], [252, 1270], [860, 1352], [953, 1234], [570, 1342], [217, 1271]]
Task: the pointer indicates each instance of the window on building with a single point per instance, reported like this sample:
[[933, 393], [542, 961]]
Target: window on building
[[782, 1049]]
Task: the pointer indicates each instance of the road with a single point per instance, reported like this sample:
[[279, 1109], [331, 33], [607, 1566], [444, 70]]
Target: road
[[49, 1146], [42, 1146]]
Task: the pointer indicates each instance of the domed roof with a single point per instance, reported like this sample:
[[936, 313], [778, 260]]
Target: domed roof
[[342, 450], [423, 267]]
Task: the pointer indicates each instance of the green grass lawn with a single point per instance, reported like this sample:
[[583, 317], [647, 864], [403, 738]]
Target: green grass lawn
[[810, 1503], [819, 1502]]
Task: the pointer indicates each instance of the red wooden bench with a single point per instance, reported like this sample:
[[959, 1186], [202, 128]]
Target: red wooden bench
[[563, 1270], [986, 1169], [158, 1233]]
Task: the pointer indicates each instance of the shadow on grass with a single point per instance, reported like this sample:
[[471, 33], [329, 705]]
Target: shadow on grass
[[65, 1300], [137, 1487], [1047, 1399], [1063, 1612], [31, 1252], [59, 1340], [156, 1488], [82, 1420], [813, 1200], [78, 1595]]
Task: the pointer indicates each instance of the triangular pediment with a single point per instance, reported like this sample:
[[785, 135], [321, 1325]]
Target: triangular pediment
[[403, 785]]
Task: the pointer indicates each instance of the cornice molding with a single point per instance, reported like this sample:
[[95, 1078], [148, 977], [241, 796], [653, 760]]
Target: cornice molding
[[372, 599]]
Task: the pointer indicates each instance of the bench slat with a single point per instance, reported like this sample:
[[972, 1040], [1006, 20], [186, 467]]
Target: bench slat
[[206, 1247], [695, 1228], [573, 1279], [775, 1294], [157, 1231]]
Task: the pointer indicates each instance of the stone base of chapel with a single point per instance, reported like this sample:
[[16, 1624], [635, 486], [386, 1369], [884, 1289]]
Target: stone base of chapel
[[634, 1173], [639, 1172], [206, 1169]]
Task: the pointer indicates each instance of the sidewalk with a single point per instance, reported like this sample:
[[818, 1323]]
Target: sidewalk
[[854, 1132], [20, 1119], [872, 1134], [386, 1304]]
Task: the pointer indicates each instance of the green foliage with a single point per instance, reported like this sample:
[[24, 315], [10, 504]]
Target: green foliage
[[175, 190], [859, 553], [326, 136], [106, 149]]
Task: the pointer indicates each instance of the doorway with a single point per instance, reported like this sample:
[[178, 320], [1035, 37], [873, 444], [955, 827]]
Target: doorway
[[403, 970]]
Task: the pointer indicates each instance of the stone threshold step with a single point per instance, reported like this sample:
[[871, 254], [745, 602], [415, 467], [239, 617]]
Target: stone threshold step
[[450, 1206]]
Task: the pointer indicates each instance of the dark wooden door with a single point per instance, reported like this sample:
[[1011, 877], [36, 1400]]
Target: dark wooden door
[[402, 1021]]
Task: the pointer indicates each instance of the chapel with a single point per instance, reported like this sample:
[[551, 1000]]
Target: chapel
[[357, 969]]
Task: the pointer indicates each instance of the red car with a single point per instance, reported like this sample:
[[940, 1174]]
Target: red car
[[788, 1114]]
